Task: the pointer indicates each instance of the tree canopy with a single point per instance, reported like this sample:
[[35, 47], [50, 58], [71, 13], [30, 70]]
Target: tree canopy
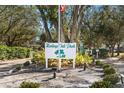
[[95, 26], [18, 25]]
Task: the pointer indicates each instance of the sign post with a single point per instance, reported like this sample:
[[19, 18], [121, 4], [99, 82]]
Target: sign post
[[46, 63], [74, 63]]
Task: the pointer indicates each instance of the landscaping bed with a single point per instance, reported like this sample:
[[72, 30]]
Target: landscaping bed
[[110, 77]]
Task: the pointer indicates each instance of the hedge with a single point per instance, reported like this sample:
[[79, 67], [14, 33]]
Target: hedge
[[101, 84], [110, 78], [106, 66], [29, 85], [99, 63], [113, 78], [110, 70], [7, 52], [103, 53]]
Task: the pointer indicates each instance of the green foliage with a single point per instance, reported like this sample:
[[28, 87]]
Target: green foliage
[[21, 52], [106, 66], [81, 59], [23, 27], [27, 63], [13, 52], [103, 53], [49, 15], [39, 57], [110, 78], [18, 67], [3, 52], [33, 61], [113, 78], [108, 71], [101, 84], [99, 63], [29, 85]]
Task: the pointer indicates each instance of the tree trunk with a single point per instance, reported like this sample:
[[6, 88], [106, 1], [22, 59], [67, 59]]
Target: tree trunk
[[56, 27], [118, 49], [62, 35], [85, 66], [45, 23], [112, 51], [74, 26]]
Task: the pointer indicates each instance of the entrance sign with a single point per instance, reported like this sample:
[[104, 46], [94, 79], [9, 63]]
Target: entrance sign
[[60, 51]]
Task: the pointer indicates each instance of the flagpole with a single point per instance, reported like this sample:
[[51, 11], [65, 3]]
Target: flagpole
[[59, 29], [59, 24]]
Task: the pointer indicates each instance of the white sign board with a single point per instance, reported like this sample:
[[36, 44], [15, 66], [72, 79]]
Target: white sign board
[[60, 50]]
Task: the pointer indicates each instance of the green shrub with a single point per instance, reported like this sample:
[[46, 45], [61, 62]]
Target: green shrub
[[108, 71], [33, 61], [18, 67], [103, 53], [106, 66], [21, 52], [29, 85], [39, 57], [81, 59], [113, 78], [13, 52], [99, 63], [27, 63], [101, 84], [3, 52]]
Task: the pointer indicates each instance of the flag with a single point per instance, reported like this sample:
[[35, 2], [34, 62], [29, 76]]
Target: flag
[[62, 8]]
